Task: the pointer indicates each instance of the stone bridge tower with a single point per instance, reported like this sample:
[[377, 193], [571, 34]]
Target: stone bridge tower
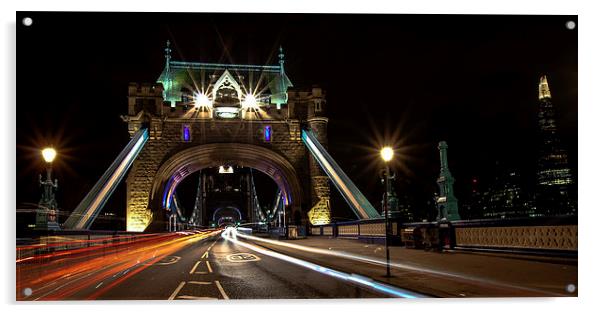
[[204, 115]]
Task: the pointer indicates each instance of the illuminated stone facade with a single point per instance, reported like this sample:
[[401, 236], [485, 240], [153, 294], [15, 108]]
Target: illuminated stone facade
[[205, 114]]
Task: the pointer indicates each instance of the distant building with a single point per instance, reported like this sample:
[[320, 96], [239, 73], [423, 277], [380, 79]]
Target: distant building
[[399, 205], [506, 198], [472, 207], [554, 178], [406, 208]]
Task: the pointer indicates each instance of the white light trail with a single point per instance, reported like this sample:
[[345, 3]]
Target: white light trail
[[376, 261], [231, 233]]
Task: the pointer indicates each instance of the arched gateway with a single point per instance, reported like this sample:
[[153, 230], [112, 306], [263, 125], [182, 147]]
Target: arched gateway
[[198, 157], [202, 115]]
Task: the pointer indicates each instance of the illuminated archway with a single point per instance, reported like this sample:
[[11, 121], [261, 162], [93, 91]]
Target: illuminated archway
[[193, 159], [228, 209]]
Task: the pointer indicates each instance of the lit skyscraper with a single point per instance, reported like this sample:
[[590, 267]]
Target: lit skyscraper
[[554, 179]]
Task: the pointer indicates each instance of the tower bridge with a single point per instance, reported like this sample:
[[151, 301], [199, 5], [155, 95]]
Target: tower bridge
[[206, 115], [227, 122]]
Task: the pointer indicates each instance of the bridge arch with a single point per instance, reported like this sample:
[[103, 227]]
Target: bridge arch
[[223, 211], [195, 158]]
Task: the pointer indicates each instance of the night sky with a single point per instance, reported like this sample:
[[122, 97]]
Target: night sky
[[411, 79]]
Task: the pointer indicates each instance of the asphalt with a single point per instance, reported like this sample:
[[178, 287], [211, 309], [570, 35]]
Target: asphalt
[[198, 267], [444, 274], [212, 269]]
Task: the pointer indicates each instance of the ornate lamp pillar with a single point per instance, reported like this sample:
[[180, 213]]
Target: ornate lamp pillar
[[447, 204], [47, 213]]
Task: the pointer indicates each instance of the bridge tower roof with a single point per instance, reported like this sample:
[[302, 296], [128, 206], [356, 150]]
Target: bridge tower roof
[[200, 77]]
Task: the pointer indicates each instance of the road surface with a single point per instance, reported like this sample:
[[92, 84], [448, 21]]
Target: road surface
[[210, 267]]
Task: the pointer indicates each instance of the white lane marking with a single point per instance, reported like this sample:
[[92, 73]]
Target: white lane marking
[[194, 267], [175, 292], [199, 282], [99, 285], [209, 267], [196, 298], [221, 290], [242, 257]]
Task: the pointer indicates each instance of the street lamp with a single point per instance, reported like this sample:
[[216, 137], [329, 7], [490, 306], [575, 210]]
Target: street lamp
[[202, 101], [387, 154], [47, 213], [49, 154]]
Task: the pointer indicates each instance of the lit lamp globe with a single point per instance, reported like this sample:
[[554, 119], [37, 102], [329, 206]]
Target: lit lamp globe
[[49, 154], [250, 102], [202, 101], [386, 153]]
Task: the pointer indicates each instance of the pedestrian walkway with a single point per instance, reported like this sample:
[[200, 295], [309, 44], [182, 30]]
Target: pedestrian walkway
[[443, 274]]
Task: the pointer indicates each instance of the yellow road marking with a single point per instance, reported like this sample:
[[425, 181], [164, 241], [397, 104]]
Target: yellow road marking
[[221, 290], [199, 282], [196, 298], [173, 295], [194, 267], [206, 255], [209, 267], [213, 244]]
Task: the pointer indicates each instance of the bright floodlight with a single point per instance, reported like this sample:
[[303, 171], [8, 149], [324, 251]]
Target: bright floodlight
[[49, 154], [226, 169], [386, 153], [250, 102], [201, 100]]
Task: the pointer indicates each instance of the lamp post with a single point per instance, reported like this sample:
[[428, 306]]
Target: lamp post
[[47, 213], [387, 155]]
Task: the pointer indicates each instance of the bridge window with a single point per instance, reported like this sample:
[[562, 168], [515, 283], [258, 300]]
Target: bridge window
[[267, 133], [186, 132], [318, 107]]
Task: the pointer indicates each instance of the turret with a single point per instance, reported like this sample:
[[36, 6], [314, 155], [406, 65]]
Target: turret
[[318, 122]]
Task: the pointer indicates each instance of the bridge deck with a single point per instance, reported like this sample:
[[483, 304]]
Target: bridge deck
[[447, 274]]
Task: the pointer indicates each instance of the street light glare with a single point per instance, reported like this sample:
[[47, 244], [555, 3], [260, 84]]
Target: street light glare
[[386, 153], [250, 102], [201, 100], [49, 154]]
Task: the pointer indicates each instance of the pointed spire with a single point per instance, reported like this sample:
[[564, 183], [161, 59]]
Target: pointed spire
[[544, 89], [167, 55], [281, 60]]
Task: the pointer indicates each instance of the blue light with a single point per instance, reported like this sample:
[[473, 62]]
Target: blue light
[[186, 133], [267, 133]]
